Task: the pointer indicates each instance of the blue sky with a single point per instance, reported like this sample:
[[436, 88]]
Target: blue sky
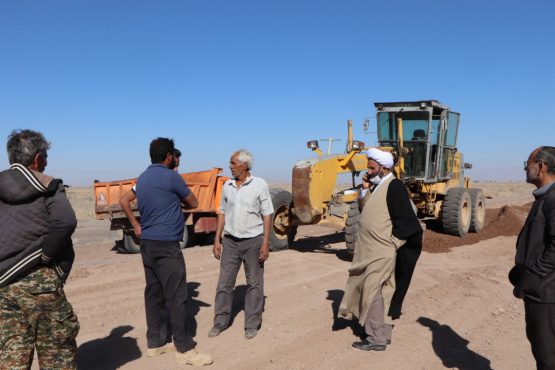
[[101, 78]]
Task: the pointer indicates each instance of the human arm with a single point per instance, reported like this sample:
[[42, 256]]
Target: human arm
[[190, 201], [265, 248], [62, 224], [267, 212], [217, 249], [363, 191], [545, 264], [180, 188], [125, 203]]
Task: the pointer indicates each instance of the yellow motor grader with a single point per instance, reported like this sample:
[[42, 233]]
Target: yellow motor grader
[[422, 136]]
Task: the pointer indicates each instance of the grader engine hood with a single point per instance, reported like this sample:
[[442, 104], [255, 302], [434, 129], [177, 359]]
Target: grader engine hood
[[314, 181]]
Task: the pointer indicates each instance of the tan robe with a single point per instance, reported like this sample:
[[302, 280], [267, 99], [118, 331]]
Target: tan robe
[[373, 264]]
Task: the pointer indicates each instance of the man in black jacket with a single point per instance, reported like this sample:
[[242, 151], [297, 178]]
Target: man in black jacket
[[36, 254], [533, 276]]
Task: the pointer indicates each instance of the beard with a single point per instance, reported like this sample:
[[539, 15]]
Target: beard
[[172, 164]]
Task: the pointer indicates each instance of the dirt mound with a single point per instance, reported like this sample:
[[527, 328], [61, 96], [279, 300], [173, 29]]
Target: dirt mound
[[504, 221]]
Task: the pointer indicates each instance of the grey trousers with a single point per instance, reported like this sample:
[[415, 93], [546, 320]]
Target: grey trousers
[[236, 251], [378, 332]]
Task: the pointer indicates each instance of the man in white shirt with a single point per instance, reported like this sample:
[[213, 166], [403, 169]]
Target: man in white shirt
[[244, 221]]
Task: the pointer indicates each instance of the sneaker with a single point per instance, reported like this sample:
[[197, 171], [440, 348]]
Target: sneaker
[[250, 333], [153, 352], [193, 357], [214, 332]]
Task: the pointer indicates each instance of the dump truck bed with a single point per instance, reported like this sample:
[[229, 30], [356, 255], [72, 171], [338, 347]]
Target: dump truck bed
[[205, 185]]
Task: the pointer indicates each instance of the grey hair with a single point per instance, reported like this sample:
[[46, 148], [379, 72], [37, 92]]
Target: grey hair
[[244, 156], [24, 145], [546, 154]]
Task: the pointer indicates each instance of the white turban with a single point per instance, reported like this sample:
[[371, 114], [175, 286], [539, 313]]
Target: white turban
[[385, 159]]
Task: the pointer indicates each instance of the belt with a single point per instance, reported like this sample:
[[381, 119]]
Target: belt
[[235, 239]]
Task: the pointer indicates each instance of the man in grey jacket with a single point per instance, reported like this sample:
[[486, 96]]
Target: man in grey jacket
[[36, 254], [533, 275]]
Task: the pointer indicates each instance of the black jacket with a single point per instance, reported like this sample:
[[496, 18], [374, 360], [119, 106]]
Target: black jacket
[[534, 273], [36, 223]]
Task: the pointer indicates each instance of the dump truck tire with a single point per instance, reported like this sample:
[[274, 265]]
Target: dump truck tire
[[478, 213], [282, 232], [185, 240], [131, 244], [456, 211], [351, 227]]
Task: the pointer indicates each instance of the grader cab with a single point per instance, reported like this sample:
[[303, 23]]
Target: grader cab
[[422, 136]]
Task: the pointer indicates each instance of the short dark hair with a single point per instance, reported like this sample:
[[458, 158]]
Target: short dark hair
[[159, 149], [177, 153], [24, 145], [546, 154]]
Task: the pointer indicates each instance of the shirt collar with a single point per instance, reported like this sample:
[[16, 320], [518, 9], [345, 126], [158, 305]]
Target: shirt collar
[[247, 181], [541, 191], [157, 165]]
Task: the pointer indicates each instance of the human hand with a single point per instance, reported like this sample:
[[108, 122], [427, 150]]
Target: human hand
[[366, 181], [137, 230], [264, 252], [217, 249]]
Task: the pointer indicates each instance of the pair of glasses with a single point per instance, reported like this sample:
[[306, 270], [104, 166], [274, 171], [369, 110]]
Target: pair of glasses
[[528, 162]]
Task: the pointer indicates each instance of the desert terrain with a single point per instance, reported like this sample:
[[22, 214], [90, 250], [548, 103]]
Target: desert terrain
[[459, 312]]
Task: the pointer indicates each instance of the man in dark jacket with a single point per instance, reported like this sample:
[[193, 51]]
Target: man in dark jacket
[[36, 254], [534, 273]]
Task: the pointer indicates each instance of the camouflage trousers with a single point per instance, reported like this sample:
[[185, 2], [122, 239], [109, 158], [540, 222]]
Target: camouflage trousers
[[34, 313]]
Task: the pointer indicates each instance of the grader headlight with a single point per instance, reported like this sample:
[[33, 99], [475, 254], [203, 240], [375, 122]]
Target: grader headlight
[[312, 144], [358, 145]]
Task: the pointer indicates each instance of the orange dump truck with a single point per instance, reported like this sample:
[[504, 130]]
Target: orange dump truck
[[206, 185]]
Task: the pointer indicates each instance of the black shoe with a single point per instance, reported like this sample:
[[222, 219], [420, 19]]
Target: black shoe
[[214, 332], [368, 346], [250, 333]]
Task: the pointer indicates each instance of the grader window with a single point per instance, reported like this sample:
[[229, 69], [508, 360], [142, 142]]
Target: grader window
[[415, 127], [415, 138]]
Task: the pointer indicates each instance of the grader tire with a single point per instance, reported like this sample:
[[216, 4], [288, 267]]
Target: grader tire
[[281, 237], [456, 213], [478, 210], [351, 227]]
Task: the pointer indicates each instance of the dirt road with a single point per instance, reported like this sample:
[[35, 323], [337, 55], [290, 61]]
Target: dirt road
[[459, 312]]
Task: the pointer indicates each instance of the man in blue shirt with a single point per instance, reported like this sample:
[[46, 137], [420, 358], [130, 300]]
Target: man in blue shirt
[[160, 192]]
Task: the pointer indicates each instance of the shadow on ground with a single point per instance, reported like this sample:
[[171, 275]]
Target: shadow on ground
[[111, 352], [238, 304], [453, 349], [116, 349], [335, 296], [323, 244], [193, 306]]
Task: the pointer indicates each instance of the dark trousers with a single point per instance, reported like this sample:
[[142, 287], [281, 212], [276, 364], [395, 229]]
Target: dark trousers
[[540, 330], [405, 262], [236, 251], [165, 295]]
